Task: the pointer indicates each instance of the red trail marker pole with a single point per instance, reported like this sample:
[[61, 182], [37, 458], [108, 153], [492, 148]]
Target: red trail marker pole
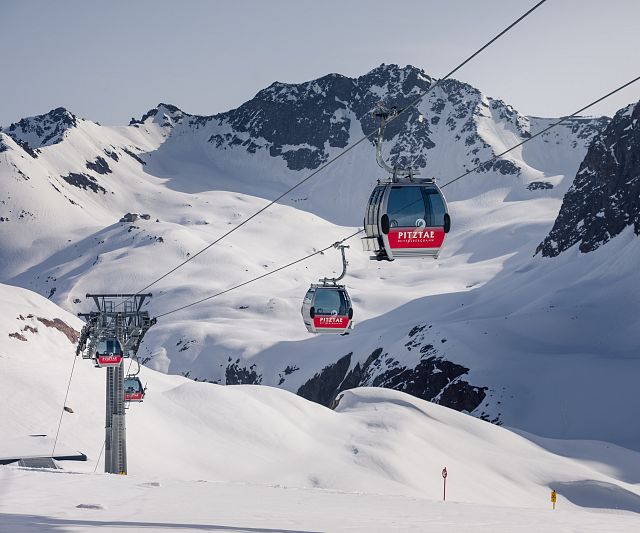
[[444, 484]]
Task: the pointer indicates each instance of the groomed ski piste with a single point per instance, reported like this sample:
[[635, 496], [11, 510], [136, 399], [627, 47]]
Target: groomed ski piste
[[205, 457]]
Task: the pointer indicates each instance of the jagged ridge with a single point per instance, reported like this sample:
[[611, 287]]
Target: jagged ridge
[[605, 196]]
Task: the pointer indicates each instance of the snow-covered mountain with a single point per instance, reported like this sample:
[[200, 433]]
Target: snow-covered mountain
[[484, 329], [43, 130]]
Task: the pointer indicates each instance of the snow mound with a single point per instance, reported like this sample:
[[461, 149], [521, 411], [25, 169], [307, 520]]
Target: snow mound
[[376, 440]]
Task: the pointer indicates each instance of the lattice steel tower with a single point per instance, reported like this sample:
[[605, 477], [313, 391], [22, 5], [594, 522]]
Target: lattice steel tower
[[112, 334]]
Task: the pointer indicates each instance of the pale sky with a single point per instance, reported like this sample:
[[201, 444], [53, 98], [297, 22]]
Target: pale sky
[[111, 60]]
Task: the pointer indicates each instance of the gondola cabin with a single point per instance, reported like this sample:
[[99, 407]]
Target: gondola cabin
[[327, 309], [133, 389], [406, 219], [108, 352]]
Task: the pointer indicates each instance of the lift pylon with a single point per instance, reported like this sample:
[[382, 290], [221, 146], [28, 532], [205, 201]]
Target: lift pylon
[[119, 324]]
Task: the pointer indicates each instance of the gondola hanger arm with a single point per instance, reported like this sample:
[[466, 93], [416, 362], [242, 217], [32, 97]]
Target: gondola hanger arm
[[386, 115], [334, 281]]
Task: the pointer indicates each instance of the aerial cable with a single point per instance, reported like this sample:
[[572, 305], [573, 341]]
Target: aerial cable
[[262, 276], [95, 468], [558, 122], [348, 149], [555, 124], [55, 441]]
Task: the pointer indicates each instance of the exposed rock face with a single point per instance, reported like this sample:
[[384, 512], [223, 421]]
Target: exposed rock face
[[43, 130], [324, 386], [432, 378], [129, 217], [62, 327], [428, 375], [302, 122], [539, 185], [239, 375], [84, 181], [99, 165], [605, 196], [55, 323], [306, 123]]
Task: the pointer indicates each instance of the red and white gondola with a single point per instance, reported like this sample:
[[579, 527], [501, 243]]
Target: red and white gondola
[[134, 391], [108, 353], [406, 216], [327, 307], [406, 219]]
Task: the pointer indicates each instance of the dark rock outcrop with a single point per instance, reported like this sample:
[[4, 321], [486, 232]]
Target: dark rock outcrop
[[135, 156], [43, 130], [432, 378], [539, 186], [240, 375], [99, 165], [324, 386], [129, 217], [605, 196], [64, 328], [84, 181]]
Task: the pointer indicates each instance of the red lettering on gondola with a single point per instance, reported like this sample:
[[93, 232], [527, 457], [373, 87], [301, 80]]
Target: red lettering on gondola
[[104, 360], [132, 396], [416, 237], [330, 321]]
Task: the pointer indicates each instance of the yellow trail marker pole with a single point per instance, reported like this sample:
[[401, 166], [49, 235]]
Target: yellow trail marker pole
[[554, 497]]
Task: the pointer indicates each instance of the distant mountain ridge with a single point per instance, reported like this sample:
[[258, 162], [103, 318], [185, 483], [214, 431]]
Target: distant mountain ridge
[[302, 122]]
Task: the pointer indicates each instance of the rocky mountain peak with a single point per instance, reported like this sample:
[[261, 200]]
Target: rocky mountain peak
[[605, 196], [302, 123], [43, 130], [166, 115], [396, 75]]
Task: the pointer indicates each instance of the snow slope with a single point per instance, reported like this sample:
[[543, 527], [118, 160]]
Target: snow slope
[[501, 324], [372, 464], [78, 503]]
